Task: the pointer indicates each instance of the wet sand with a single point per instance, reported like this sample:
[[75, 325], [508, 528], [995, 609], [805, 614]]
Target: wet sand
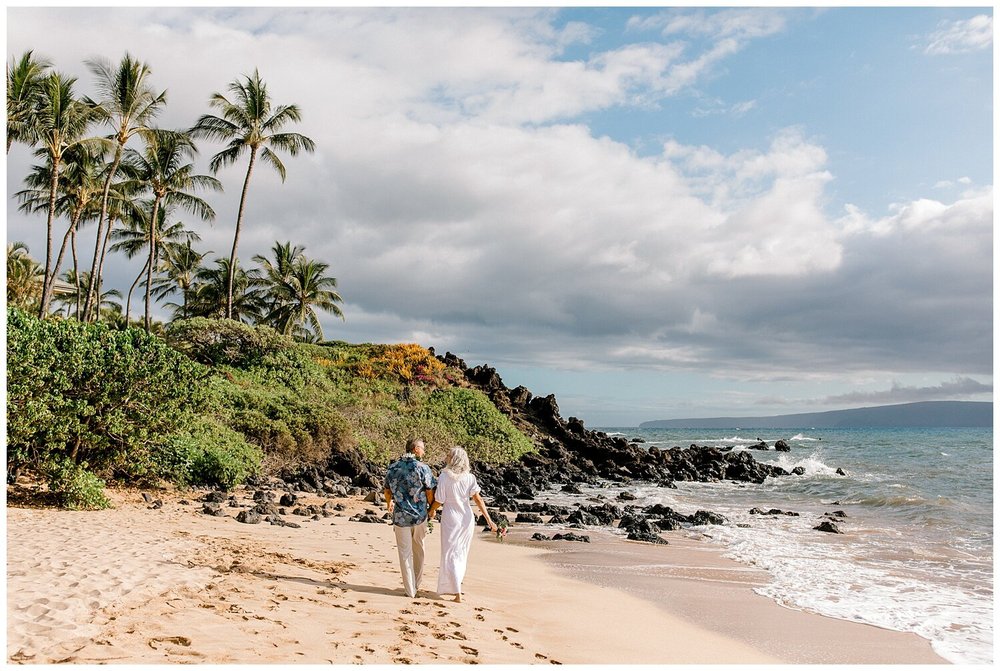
[[692, 580]]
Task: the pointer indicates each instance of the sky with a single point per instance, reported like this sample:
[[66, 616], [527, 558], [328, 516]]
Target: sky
[[652, 213]]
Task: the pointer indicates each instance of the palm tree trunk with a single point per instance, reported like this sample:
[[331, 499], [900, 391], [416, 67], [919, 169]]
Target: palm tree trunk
[[98, 246], [48, 278], [100, 263], [128, 300], [76, 272], [152, 256], [236, 237], [59, 257]]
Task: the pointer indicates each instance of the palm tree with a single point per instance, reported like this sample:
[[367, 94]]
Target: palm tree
[[284, 257], [162, 169], [212, 286], [280, 270], [61, 122], [129, 103], [181, 264], [24, 82], [24, 277], [297, 298], [249, 124], [79, 186]]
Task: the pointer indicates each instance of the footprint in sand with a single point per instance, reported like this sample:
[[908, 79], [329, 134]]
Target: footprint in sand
[[176, 640], [469, 651]]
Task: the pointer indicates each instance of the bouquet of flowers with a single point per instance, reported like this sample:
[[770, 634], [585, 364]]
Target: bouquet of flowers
[[501, 530], [430, 525]]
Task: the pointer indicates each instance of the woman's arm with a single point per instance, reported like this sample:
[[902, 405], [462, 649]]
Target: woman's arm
[[482, 508], [435, 504]]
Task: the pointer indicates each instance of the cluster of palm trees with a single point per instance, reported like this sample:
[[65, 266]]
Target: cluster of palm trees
[[132, 180]]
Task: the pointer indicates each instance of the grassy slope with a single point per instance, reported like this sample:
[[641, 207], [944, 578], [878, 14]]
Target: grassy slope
[[299, 405]]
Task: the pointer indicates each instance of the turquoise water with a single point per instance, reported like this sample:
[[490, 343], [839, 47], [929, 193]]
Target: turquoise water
[[917, 552]]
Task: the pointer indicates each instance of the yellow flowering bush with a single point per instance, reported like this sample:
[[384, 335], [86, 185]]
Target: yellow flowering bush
[[404, 363]]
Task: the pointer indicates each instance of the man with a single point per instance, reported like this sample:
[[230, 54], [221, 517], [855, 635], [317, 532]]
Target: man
[[408, 492]]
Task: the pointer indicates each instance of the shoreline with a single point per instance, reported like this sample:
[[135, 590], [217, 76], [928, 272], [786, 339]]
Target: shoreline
[[692, 580], [137, 585]]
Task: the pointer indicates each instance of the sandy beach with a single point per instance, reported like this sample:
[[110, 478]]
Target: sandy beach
[[140, 585]]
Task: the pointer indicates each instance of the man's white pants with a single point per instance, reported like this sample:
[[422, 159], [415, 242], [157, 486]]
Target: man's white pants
[[410, 545]]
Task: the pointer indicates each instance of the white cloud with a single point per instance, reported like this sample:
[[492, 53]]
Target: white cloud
[[726, 23], [956, 388], [958, 37], [965, 216], [741, 108]]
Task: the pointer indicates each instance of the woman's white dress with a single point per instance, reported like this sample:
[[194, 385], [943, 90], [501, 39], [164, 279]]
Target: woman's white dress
[[457, 526]]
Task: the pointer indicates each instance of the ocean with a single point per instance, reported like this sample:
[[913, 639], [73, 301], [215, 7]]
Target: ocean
[[917, 552]]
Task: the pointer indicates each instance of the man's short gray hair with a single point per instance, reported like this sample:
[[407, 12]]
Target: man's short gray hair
[[412, 443], [458, 461]]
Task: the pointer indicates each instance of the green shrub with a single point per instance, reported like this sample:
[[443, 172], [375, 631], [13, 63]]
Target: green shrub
[[477, 425], [292, 428], [90, 393], [225, 341], [75, 487], [210, 454], [382, 432]]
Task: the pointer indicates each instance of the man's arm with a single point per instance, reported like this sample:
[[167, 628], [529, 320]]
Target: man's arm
[[387, 495]]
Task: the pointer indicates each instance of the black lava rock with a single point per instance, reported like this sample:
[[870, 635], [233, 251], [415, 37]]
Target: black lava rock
[[828, 527], [571, 537], [707, 517], [248, 517], [213, 509]]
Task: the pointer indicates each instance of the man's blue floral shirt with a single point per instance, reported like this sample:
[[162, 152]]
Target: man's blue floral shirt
[[408, 479]]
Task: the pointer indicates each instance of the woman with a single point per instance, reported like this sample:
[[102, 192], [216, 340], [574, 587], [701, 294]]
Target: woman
[[456, 485]]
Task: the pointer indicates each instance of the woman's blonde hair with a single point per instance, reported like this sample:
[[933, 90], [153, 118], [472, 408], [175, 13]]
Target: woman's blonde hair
[[458, 461]]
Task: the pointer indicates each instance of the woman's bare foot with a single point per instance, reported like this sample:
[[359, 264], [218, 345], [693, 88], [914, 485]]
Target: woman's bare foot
[[458, 598]]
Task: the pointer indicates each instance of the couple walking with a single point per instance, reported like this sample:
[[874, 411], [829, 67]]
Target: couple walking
[[413, 495]]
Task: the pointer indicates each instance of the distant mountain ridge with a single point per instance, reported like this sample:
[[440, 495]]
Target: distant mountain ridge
[[929, 414]]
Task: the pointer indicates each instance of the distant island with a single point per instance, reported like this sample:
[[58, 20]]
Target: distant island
[[930, 414]]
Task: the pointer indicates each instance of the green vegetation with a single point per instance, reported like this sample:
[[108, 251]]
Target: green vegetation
[[218, 401]]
